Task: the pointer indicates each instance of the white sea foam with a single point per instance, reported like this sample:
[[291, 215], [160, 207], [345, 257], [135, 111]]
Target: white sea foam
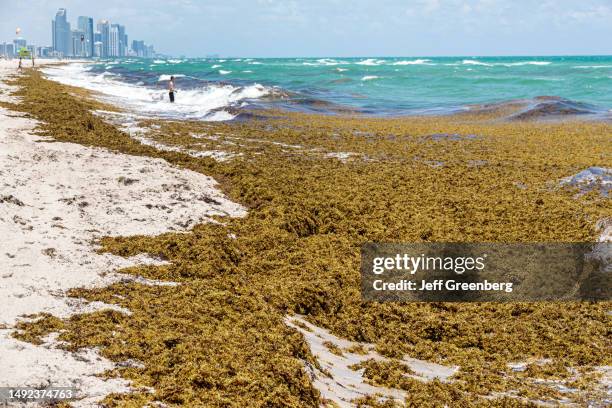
[[328, 61], [473, 62], [204, 103], [166, 77], [341, 69], [414, 62], [223, 72], [592, 66], [159, 61], [503, 64], [369, 77], [517, 64], [175, 61], [217, 66], [255, 63], [370, 61]]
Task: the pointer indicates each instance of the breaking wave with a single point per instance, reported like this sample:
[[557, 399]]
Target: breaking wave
[[166, 77], [210, 102], [370, 61], [413, 62], [504, 64]]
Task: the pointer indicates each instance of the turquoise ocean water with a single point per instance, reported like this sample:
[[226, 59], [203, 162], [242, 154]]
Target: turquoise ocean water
[[379, 86]]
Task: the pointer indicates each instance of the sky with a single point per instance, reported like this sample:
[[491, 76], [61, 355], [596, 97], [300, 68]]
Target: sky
[[341, 28]]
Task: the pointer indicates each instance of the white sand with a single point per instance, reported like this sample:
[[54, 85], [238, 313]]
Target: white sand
[[56, 199], [340, 383]]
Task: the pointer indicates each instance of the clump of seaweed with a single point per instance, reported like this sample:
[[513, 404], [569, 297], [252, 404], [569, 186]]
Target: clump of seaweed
[[219, 337]]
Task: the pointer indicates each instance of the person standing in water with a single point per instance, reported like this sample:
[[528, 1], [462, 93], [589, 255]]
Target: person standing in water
[[171, 89]]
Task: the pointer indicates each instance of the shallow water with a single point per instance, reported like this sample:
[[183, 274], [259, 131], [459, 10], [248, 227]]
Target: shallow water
[[379, 86]]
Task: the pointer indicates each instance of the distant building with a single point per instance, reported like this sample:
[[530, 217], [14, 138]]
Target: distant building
[[123, 46], [114, 48], [118, 41], [79, 45], [10, 50], [44, 52], [104, 29], [61, 34], [97, 49], [141, 49], [126, 45], [18, 44], [85, 24]]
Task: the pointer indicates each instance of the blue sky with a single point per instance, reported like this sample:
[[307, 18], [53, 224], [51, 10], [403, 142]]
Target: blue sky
[[268, 28]]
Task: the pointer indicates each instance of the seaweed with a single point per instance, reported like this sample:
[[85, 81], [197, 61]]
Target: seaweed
[[218, 339]]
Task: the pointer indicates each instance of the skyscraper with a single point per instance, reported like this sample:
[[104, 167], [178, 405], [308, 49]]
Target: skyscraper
[[118, 41], [79, 46], [138, 47], [115, 45], [10, 50], [61, 33], [85, 25], [104, 29], [97, 49], [126, 44], [122, 43]]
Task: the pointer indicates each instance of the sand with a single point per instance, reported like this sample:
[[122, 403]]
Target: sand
[[56, 199], [342, 384]]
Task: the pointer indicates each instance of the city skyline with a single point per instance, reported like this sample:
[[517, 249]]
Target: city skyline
[[108, 40]]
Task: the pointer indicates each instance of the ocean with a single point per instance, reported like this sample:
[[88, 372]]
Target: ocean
[[217, 88]]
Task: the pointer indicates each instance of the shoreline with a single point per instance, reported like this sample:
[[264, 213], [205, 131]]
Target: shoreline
[[307, 219]]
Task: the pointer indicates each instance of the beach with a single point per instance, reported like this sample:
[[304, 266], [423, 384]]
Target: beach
[[57, 199], [165, 259]]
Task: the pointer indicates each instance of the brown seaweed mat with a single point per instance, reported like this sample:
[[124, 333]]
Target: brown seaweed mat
[[317, 187]]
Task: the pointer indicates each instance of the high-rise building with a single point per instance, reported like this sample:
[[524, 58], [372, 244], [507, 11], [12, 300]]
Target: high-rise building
[[126, 44], [122, 44], [104, 29], [139, 48], [115, 45], [85, 24], [18, 44], [10, 50], [98, 49], [118, 41], [79, 45], [61, 33]]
